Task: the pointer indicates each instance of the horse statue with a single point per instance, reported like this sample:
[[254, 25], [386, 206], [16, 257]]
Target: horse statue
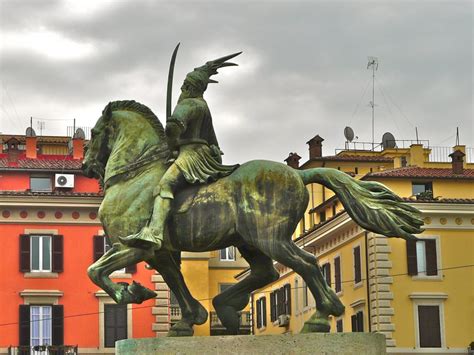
[[256, 209]]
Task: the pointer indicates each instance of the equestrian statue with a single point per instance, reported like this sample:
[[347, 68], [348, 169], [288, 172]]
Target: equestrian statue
[[167, 191]]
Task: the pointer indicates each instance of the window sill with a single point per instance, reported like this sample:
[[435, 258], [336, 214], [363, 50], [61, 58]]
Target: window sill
[[120, 275], [358, 285], [427, 278], [41, 275], [340, 293]]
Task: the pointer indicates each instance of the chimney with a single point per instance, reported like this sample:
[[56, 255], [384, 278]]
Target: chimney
[[77, 148], [457, 161], [293, 160], [31, 147], [315, 147]]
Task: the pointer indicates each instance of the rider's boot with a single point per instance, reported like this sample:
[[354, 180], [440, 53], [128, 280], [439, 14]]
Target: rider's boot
[[152, 234]]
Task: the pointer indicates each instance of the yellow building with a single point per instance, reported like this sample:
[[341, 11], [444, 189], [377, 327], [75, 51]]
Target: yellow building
[[206, 274], [420, 295]]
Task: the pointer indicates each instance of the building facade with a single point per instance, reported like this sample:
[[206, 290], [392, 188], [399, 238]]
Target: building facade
[[418, 294], [51, 233]]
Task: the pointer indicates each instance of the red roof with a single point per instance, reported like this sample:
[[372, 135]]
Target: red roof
[[50, 163], [354, 158], [58, 193], [417, 172]]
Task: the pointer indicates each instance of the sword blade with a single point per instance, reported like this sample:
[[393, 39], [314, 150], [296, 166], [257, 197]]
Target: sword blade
[[170, 82]]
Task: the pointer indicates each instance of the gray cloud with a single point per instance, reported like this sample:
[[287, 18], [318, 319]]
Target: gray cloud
[[302, 73]]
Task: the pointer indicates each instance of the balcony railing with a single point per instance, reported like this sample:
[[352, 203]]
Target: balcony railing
[[244, 320], [175, 313], [43, 350]]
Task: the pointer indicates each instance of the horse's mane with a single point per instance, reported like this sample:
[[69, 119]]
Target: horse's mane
[[133, 106]]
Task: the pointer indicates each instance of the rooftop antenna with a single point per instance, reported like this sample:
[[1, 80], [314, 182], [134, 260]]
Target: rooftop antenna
[[374, 64], [457, 135], [41, 125]]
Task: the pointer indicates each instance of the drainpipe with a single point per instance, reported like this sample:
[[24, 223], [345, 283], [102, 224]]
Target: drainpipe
[[367, 279]]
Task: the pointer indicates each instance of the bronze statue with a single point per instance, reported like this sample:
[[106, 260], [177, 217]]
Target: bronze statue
[[256, 208]]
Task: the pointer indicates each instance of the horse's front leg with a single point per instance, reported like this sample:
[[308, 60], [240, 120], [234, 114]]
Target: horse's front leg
[[117, 258], [192, 311]]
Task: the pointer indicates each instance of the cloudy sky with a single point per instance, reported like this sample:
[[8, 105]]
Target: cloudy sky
[[303, 71]]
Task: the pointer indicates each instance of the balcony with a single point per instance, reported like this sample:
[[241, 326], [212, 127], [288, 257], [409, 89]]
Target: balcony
[[43, 350], [218, 329], [175, 313]]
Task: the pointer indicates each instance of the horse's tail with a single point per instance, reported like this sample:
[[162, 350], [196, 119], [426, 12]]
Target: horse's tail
[[370, 204]]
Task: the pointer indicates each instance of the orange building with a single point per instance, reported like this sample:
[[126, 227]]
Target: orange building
[[50, 234]]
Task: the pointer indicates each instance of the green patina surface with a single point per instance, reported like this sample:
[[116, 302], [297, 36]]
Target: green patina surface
[[155, 207]]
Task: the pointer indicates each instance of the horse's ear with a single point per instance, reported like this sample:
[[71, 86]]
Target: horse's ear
[[107, 113]]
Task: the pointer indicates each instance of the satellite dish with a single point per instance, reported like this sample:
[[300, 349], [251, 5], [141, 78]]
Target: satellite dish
[[80, 134], [388, 141], [30, 132], [349, 134]]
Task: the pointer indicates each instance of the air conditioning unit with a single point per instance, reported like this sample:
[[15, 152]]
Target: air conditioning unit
[[283, 320], [64, 180]]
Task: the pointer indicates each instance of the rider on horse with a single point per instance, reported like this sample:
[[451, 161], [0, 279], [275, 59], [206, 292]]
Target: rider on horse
[[195, 155]]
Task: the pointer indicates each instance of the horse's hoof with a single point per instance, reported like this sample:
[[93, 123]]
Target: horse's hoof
[[140, 292], [181, 329], [319, 325], [201, 316]]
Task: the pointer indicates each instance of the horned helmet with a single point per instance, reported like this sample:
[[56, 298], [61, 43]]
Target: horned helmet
[[200, 77]]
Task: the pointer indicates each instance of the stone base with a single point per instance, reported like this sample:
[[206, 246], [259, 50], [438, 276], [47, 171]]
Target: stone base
[[316, 343]]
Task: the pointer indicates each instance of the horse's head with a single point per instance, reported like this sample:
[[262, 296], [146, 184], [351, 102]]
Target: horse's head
[[97, 151]]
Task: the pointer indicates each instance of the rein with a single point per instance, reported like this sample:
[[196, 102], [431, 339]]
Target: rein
[[133, 169]]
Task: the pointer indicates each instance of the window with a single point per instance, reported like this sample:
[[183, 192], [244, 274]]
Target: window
[[227, 254], [357, 266], [101, 244], [422, 257], [339, 326], [40, 318], [305, 294], [261, 312], [357, 322], [326, 270], [337, 274], [322, 216], [280, 302], [41, 253], [297, 298], [115, 323], [41, 325], [429, 326], [173, 299], [421, 188], [40, 184]]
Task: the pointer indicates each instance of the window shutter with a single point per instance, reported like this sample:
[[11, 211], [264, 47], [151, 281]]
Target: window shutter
[[337, 274], [272, 307], [24, 324], [99, 245], [360, 321], [58, 325], [339, 326], [287, 288], [57, 253], [281, 301], [259, 313], [431, 261], [357, 271], [25, 253], [131, 269], [327, 273], [411, 257], [264, 305], [121, 318], [354, 323]]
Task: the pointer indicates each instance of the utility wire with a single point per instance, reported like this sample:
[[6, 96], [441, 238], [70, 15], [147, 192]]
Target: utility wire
[[208, 299], [360, 101]]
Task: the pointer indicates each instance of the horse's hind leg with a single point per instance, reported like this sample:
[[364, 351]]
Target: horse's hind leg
[[192, 311], [235, 298], [305, 264]]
